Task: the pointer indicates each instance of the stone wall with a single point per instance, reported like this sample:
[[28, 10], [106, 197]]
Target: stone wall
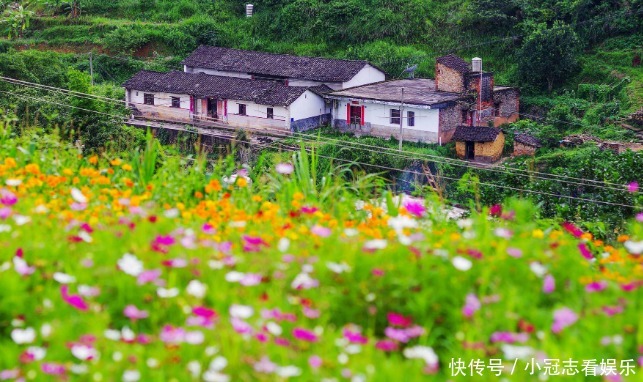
[[448, 80], [384, 131], [508, 103], [450, 118], [460, 148], [522, 149], [310, 123]]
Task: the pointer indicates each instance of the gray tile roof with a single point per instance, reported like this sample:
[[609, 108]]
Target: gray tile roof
[[475, 134], [417, 91], [527, 139], [204, 85], [454, 62], [270, 64]]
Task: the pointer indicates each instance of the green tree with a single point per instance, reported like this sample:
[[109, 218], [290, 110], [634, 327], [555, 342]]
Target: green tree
[[16, 19], [548, 55]]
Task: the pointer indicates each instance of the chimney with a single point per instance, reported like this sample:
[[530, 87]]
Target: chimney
[[476, 64]]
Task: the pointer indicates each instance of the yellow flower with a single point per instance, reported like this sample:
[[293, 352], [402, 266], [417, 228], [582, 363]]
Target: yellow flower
[[256, 198], [126, 167], [538, 233], [10, 162], [241, 181], [116, 162], [68, 172], [298, 196]]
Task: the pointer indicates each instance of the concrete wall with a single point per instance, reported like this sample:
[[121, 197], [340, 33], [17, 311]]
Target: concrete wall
[[377, 122], [368, 75], [308, 105], [448, 80], [164, 113], [310, 123], [162, 105], [160, 99], [256, 116], [522, 149]]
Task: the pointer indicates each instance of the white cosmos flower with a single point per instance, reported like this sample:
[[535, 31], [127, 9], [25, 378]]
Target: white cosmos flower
[[215, 264], [194, 367], [80, 368], [112, 334], [375, 244], [194, 337], [130, 264], [64, 278], [171, 213], [213, 376], [21, 219], [350, 232], [131, 376], [23, 336], [338, 268], [78, 196], [512, 352], [167, 293], [128, 334], [633, 247], [273, 328], [84, 352], [422, 352], [37, 352], [284, 168], [13, 182], [45, 330], [218, 363], [241, 311], [234, 276], [284, 244], [461, 263], [401, 222], [539, 269], [288, 371], [196, 289]]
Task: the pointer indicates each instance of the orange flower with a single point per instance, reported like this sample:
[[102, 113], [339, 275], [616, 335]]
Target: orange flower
[[32, 168], [93, 159], [213, 186], [623, 238]]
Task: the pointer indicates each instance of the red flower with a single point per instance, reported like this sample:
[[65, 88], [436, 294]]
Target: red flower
[[396, 319]]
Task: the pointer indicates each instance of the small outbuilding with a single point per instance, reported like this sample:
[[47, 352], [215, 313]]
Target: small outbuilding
[[525, 144], [479, 143]]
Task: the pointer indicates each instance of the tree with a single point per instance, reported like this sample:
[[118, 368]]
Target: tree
[[16, 17], [548, 55]]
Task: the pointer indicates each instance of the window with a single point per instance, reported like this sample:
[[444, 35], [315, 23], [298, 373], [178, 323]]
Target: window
[[148, 99], [176, 102], [270, 113], [395, 116], [242, 109], [410, 118]]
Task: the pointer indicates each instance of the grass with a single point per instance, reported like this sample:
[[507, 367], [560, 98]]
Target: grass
[[278, 275]]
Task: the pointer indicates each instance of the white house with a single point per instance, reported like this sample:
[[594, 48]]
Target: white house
[[240, 102], [287, 69]]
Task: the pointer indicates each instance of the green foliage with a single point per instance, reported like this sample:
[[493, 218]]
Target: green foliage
[[548, 56]]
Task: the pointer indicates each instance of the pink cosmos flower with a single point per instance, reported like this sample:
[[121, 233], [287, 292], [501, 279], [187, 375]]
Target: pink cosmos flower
[[582, 247], [309, 210], [377, 272], [74, 300], [415, 208], [253, 243], [354, 337], [133, 313], [414, 331], [612, 310], [250, 279], [320, 231], [282, 342], [52, 368], [310, 312], [514, 252], [386, 345], [162, 242], [202, 311], [208, 229], [396, 334], [21, 266], [315, 361], [571, 228], [471, 305], [5, 212], [639, 217], [265, 366], [509, 337], [175, 263], [633, 187], [240, 326], [172, 335], [595, 286], [563, 318], [285, 168], [148, 276], [9, 374], [396, 319], [549, 284], [8, 198], [304, 335]]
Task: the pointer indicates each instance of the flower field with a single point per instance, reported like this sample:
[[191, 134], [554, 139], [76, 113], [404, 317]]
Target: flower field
[[146, 267]]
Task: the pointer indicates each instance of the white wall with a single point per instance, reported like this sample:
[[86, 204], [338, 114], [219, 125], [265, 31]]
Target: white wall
[[308, 105], [380, 114], [256, 115], [160, 99], [223, 73], [367, 75]]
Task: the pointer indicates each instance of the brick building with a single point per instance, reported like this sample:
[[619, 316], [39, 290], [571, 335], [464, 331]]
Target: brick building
[[525, 144], [479, 143]]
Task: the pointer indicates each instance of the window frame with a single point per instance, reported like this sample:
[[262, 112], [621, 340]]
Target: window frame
[[270, 113], [146, 99], [410, 118], [177, 100], [243, 109], [395, 120]]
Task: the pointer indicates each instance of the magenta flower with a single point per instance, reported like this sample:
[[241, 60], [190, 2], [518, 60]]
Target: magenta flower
[[74, 300], [612, 310], [52, 368], [148, 276], [414, 331], [5, 212], [471, 305], [595, 286], [309, 210], [549, 284], [639, 217], [208, 229], [354, 337], [563, 318], [133, 313], [320, 231], [633, 187], [386, 345], [415, 208], [509, 337], [8, 198], [396, 319], [253, 243], [304, 335], [202, 311], [377, 272], [571, 228], [582, 247], [495, 210]]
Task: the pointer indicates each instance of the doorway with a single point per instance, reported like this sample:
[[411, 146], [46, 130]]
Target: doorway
[[212, 108], [469, 150], [356, 115]]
